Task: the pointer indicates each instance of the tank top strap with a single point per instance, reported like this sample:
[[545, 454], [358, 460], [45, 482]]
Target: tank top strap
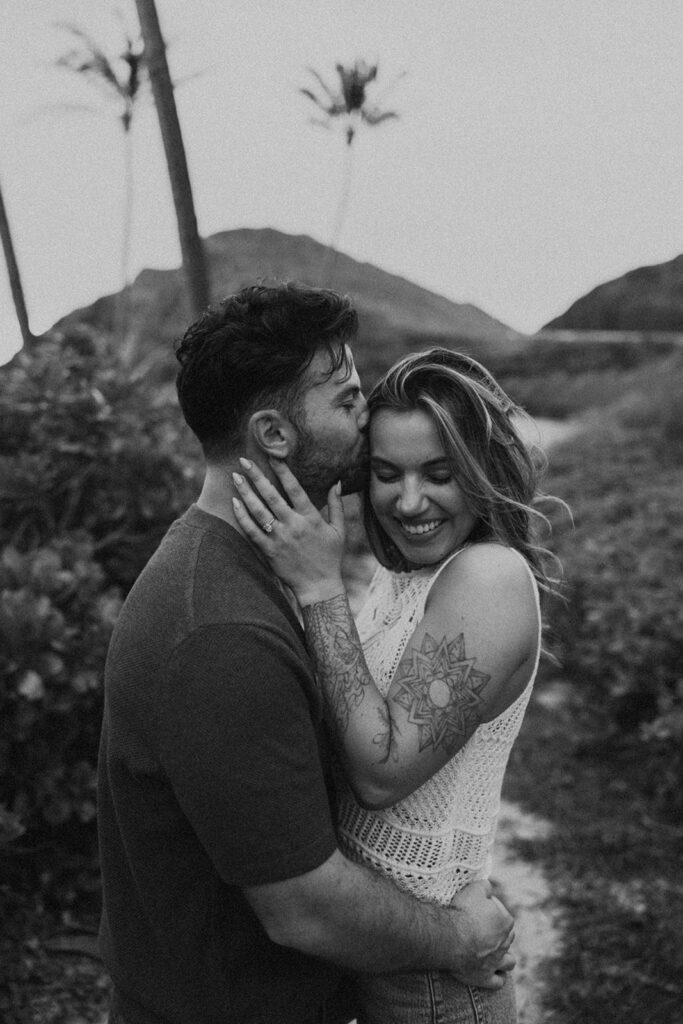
[[430, 580]]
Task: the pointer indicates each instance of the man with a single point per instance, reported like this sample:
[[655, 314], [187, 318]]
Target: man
[[225, 896]]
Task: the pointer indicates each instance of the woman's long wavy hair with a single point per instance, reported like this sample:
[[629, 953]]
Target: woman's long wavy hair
[[497, 471]]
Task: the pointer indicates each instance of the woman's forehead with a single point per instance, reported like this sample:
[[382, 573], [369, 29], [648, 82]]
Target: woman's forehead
[[405, 430]]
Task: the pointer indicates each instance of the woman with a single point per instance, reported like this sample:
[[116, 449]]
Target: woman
[[426, 693]]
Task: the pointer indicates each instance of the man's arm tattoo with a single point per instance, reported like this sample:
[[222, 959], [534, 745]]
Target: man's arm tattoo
[[441, 691], [337, 657]]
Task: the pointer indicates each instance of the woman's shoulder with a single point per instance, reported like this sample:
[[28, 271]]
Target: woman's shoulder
[[485, 568]]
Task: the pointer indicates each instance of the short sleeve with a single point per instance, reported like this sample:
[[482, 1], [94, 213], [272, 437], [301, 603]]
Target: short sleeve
[[240, 747]]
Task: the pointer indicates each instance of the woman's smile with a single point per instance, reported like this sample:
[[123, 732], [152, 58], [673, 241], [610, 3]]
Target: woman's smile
[[420, 529]]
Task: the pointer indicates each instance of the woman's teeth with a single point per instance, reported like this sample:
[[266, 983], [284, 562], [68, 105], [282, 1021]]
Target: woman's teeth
[[420, 528]]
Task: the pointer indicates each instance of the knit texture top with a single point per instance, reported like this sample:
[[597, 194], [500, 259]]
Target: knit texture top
[[440, 837]]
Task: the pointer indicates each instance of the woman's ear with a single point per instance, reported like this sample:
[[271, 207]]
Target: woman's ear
[[271, 433]]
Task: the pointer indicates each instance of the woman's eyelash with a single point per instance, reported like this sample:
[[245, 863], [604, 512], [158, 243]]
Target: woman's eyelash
[[385, 477]]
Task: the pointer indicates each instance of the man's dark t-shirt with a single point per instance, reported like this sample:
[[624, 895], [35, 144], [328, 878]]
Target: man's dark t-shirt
[[213, 776]]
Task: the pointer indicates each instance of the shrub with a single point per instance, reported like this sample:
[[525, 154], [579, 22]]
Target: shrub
[[56, 616], [620, 635], [562, 379], [85, 446], [94, 468]]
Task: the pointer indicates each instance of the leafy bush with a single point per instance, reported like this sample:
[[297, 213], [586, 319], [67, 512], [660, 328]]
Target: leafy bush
[[85, 446], [565, 378], [56, 615], [621, 632], [93, 469]]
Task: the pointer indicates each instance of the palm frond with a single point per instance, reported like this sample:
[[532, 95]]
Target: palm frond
[[329, 92], [312, 96], [92, 65], [365, 72], [119, 76], [76, 30], [350, 105], [376, 116]]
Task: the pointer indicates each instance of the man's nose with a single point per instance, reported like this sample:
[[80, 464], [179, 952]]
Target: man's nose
[[363, 413]]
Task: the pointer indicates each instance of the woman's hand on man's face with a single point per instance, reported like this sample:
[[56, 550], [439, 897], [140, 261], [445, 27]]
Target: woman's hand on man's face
[[304, 548]]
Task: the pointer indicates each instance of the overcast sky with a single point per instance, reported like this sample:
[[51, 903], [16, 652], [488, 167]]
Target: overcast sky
[[539, 150]]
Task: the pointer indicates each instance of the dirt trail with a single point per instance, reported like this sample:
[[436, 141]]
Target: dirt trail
[[524, 889]]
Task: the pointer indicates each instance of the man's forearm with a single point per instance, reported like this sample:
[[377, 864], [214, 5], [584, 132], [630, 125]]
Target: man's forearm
[[338, 658], [356, 711], [368, 924], [355, 917]]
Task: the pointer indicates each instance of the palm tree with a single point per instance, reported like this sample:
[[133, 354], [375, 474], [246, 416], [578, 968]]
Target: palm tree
[[14, 275], [348, 105], [194, 259], [119, 79]]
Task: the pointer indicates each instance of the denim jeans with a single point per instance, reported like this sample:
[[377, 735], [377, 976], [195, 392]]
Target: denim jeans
[[431, 997]]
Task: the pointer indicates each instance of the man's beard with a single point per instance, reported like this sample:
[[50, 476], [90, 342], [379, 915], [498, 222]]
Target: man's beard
[[355, 480], [318, 467]]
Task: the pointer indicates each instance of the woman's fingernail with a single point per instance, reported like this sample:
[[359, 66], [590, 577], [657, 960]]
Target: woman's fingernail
[[245, 463], [238, 478], [236, 503]]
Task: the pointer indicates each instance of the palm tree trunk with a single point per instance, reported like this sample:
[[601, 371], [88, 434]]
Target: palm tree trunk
[[123, 310], [330, 261], [14, 275], [194, 260]]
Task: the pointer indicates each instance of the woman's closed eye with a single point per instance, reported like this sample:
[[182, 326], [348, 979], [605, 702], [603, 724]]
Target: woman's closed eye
[[386, 476]]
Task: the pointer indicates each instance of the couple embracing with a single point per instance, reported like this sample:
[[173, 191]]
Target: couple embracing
[[296, 809]]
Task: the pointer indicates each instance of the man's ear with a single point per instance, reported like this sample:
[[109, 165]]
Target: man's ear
[[271, 433]]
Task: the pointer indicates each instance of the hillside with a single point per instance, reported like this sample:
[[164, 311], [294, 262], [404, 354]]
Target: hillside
[[396, 315], [646, 299]]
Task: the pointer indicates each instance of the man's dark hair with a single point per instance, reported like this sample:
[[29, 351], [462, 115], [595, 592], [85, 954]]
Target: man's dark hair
[[252, 349]]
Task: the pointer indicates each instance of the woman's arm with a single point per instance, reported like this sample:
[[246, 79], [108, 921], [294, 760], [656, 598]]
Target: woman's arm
[[467, 660]]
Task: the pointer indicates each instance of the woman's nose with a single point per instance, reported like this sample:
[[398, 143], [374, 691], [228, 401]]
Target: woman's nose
[[410, 499]]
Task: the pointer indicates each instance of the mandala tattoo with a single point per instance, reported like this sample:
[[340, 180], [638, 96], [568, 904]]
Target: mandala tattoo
[[442, 692]]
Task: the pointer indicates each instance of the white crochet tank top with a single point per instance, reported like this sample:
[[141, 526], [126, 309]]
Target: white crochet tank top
[[439, 838]]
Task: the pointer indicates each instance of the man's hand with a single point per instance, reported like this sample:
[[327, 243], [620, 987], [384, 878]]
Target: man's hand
[[486, 932]]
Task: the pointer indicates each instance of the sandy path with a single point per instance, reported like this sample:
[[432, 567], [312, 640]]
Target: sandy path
[[524, 889]]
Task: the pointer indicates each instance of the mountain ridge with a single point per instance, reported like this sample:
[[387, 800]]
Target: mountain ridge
[[395, 314], [647, 298]]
